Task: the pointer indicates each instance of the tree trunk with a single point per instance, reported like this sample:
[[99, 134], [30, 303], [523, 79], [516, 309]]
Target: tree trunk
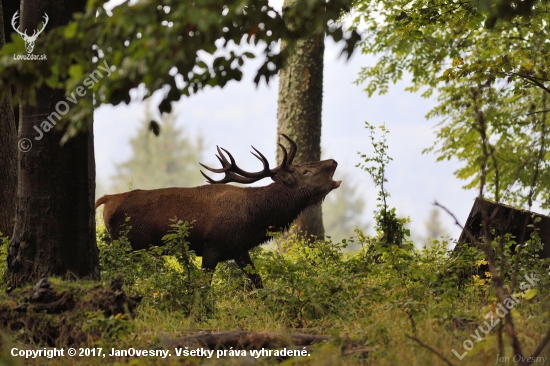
[[9, 7], [8, 155], [299, 112], [55, 225]]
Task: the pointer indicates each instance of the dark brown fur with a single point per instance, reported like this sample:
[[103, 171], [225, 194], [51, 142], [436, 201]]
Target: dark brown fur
[[228, 220]]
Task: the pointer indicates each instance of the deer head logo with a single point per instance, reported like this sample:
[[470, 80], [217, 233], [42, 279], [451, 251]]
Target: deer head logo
[[29, 40]]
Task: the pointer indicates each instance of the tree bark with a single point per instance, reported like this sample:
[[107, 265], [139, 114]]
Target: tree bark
[[299, 112], [9, 7], [8, 153], [55, 224]]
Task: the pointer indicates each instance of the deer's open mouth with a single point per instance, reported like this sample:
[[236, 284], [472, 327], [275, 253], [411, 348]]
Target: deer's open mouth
[[335, 184]]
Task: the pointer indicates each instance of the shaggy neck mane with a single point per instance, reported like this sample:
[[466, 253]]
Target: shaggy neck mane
[[277, 205]]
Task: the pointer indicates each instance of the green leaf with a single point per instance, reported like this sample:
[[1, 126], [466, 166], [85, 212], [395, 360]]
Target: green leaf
[[70, 30], [529, 294], [76, 71], [458, 61]]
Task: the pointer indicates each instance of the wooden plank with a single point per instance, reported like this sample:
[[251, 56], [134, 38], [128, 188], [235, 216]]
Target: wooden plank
[[507, 220]]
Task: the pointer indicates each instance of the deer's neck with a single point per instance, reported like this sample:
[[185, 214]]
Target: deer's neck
[[276, 206]]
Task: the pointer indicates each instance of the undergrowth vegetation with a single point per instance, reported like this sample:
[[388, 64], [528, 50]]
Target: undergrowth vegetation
[[378, 297], [395, 303]]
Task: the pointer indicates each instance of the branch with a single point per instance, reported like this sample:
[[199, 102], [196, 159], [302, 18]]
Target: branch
[[497, 279], [542, 344], [468, 233], [536, 112], [533, 81], [430, 349], [245, 340]]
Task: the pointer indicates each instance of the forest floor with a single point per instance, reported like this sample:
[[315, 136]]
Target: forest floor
[[319, 306]]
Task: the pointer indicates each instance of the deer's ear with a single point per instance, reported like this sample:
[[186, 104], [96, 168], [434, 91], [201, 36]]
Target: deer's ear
[[287, 178]]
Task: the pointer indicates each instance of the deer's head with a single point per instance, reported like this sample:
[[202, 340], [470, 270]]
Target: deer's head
[[29, 40], [313, 180]]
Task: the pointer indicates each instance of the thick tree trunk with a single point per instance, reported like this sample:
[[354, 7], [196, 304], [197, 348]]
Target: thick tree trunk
[[299, 112], [55, 225], [9, 7], [8, 155]]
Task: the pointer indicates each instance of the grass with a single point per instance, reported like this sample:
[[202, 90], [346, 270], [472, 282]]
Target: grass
[[371, 299]]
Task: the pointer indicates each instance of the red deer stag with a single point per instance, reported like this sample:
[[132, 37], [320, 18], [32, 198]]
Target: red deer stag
[[228, 220]]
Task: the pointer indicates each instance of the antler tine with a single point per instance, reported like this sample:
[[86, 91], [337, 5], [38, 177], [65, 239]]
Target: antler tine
[[225, 164], [46, 19], [261, 174], [231, 177], [222, 170], [210, 180], [13, 19], [235, 168], [285, 157], [235, 174], [293, 149], [262, 158], [221, 156]]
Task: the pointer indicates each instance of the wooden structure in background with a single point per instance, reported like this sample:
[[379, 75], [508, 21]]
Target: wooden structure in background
[[507, 220]]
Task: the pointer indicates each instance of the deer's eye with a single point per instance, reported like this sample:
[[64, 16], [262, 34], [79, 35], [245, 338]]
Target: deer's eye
[[306, 171]]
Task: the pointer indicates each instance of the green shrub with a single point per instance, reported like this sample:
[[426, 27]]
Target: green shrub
[[168, 277]]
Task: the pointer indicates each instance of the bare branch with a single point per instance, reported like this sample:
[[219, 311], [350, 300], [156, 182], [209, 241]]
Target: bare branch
[[497, 279], [468, 233], [533, 81], [542, 344], [536, 112], [422, 344]]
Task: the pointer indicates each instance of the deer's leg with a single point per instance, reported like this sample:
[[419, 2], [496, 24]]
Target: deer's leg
[[244, 261], [209, 263]]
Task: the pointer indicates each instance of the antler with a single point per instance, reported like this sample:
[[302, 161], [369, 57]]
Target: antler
[[13, 19], [46, 19], [24, 34], [293, 149], [235, 174]]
